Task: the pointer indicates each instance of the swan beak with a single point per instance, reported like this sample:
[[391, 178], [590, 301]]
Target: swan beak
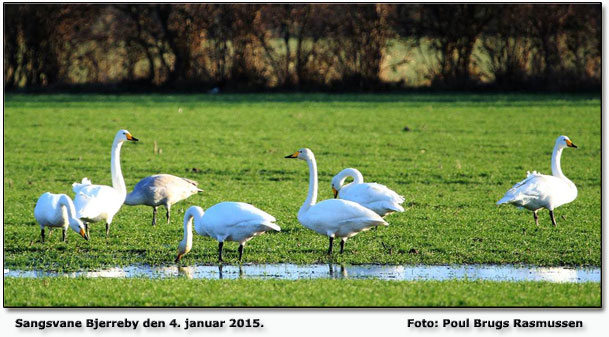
[[335, 192], [131, 138], [83, 234], [570, 144], [293, 155]]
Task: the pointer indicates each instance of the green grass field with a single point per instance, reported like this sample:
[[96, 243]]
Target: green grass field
[[463, 151], [238, 293]]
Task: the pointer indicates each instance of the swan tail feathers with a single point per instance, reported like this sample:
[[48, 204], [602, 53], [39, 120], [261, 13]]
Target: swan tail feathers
[[506, 199], [383, 223], [532, 174], [193, 183], [76, 187], [272, 226], [190, 181], [395, 207]]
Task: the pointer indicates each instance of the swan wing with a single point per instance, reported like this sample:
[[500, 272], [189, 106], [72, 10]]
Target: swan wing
[[375, 196], [97, 202], [161, 188], [231, 213], [237, 221], [339, 217], [534, 192], [47, 211]]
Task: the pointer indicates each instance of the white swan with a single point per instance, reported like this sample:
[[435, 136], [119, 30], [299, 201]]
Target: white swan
[[543, 191], [57, 210], [374, 196], [96, 203], [225, 221], [334, 217], [161, 189]]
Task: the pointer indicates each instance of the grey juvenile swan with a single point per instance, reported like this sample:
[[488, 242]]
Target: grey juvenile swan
[[161, 189]]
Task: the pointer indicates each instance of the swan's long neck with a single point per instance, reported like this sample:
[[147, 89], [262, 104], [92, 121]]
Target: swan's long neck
[[312, 197], [187, 229], [358, 178], [193, 213], [115, 167], [556, 170], [69, 205]]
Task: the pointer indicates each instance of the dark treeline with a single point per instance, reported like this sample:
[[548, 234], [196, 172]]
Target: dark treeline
[[299, 46]]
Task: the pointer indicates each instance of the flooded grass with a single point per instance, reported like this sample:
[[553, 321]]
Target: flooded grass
[[509, 273]]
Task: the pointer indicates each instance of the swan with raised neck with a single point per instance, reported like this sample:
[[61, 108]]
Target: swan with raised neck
[[332, 217], [94, 203], [538, 191]]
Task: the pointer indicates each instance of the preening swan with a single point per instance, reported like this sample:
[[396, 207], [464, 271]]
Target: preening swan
[[544, 191], [57, 210], [374, 196], [96, 203], [334, 217], [161, 189], [225, 221]]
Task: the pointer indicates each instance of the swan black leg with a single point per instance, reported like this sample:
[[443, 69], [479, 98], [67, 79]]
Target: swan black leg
[[220, 244], [154, 215], [330, 247], [42, 235], [240, 251], [63, 234], [107, 229], [536, 218], [552, 217], [342, 245], [168, 209]]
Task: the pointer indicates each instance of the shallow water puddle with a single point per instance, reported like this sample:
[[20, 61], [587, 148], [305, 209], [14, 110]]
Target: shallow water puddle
[[334, 271]]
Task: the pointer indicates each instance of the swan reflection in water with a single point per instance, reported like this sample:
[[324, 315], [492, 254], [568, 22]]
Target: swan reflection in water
[[343, 272], [186, 272], [221, 275]]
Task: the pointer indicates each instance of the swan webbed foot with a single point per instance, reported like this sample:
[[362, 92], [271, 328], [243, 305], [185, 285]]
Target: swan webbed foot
[[330, 247], [536, 218], [240, 251], [154, 215], [552, 217]]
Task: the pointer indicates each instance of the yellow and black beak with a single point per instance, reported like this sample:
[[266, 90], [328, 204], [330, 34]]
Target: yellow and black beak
[[335, 192], [293, 155], [131, 138], [570, 144], [84, 234]]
